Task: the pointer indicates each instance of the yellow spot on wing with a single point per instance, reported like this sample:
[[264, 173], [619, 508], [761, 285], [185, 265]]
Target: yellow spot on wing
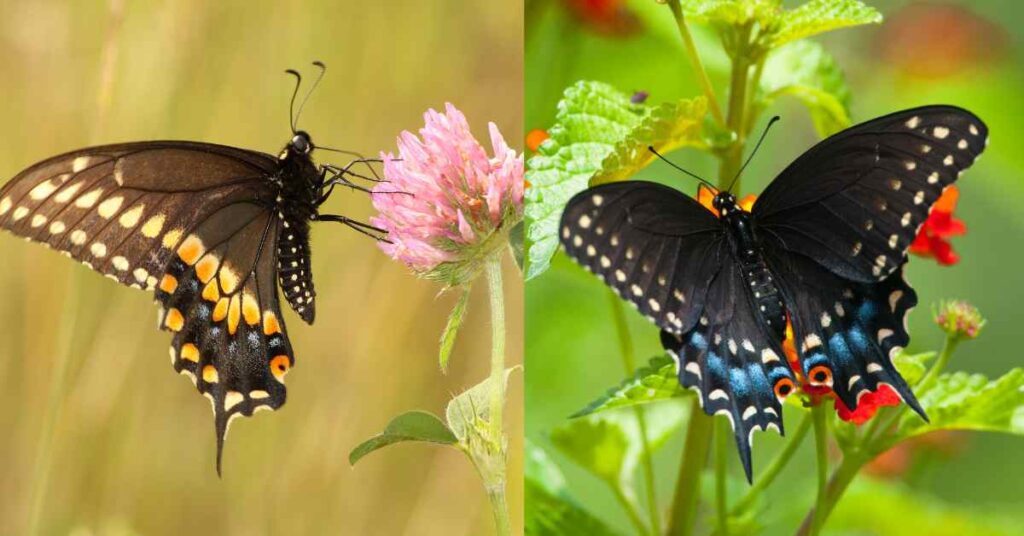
[[131, 217], [232, 399], [250, 311], [174, 320], [66, 194], [110, 207], [258, 394], [5, 205], [38, 220], [171, 238], [190, 352], [228, 279], [169, 284], [78, 237], [80, 163], [153, 227], [191, 249], [120, 263], [234, 314], [89, 199], [43, 190], [210, 374]]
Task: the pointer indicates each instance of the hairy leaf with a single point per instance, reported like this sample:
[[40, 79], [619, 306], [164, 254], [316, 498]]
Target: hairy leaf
[[608, 444], [819, 16], [592, 117], [962, 401], [667, 127], [452, 328], [732, 12], [912, 366], [472, 407], [409, 426], [804, 70], [657, 381], [550, 509]]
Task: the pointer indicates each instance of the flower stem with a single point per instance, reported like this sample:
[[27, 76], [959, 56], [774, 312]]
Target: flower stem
[[628, 502], [762, 481], [496, 490], [698, 66], [695, 456], [948, 347], [629, 362], [818, 415], [721, 486], [837, 485]]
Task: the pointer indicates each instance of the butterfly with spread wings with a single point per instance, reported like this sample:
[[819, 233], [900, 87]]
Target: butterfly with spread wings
[[823, 248], [212, 230]]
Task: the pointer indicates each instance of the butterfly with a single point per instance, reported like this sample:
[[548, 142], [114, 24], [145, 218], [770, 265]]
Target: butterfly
[[211, 230], [823, 248]]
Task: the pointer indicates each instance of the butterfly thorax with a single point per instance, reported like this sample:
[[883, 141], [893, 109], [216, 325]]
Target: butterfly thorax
[[745, 247], [299, 181]]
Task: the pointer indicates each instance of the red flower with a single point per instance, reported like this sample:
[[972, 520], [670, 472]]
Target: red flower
[[534, 138], [611, 17], [940, 225]]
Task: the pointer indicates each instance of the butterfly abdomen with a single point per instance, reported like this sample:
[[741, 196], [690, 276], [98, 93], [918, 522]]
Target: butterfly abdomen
[[297, 206], [767, 299]]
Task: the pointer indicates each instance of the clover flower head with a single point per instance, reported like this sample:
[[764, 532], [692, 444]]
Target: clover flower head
[[447, 205], [959, 319]]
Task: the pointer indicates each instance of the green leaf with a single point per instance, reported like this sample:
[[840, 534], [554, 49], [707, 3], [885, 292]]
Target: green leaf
[[592, 117], [667, 127], [912, 366], [452, 328], [471, 408], [550, 509], [804, 70], [819, 16], [962, 401], [608, 444], [515, 242], [732, 12], [409, 426], [657, 381]]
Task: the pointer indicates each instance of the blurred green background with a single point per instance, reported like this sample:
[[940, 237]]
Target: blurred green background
[[98, 433], [964, 53]]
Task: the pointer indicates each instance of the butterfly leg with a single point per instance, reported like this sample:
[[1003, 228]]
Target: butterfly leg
[[364, 228]]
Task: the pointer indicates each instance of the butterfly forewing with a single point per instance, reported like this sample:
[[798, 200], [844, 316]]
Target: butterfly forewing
[[855, 201], [656, 247], [198, 223]]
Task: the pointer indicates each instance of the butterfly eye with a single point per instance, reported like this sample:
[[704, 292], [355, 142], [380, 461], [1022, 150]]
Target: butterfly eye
[[301, 142], [783, 388], [821, 375]]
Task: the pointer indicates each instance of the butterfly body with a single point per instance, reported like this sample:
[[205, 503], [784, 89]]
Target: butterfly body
[[301, 185], [822, 249]]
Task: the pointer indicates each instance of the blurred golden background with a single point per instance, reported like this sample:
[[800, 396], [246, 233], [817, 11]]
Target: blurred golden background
[[99, 435]]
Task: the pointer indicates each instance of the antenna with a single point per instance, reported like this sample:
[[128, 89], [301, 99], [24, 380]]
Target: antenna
[[323, 70], [291, 107], [751, 156], [669, 162]]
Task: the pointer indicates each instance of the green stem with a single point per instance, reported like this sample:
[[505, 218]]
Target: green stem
[[738, 81], [818, 415], [629, 362], [496, 490], [721, 468], [948, 347], [698, 67], [695, 456], [628, 503], [837, 485], [762, 481]]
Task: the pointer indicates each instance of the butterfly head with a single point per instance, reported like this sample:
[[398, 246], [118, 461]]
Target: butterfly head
[[724, 203], [300, 144]]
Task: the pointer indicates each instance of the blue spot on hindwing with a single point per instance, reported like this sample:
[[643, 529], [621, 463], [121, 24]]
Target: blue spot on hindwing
[[840, 351], [716, 367], [697, 340], [739, 382]]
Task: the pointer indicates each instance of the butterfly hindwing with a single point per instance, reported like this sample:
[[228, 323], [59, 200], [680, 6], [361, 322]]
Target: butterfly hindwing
[[846, 333], [733, 363], [855, 201], [653, 245]]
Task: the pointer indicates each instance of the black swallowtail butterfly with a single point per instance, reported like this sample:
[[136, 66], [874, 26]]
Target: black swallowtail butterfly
[[824, 247], [213, 230]]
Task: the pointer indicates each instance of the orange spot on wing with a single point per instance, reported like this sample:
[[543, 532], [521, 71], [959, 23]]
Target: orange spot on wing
[[270, 324], [189, 352], [174, 320], [191, 249], [234, 312], [250, 311], [220, 311], [169, 284], [210, 374], [279, 367], [206, 268], [211, 292]]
